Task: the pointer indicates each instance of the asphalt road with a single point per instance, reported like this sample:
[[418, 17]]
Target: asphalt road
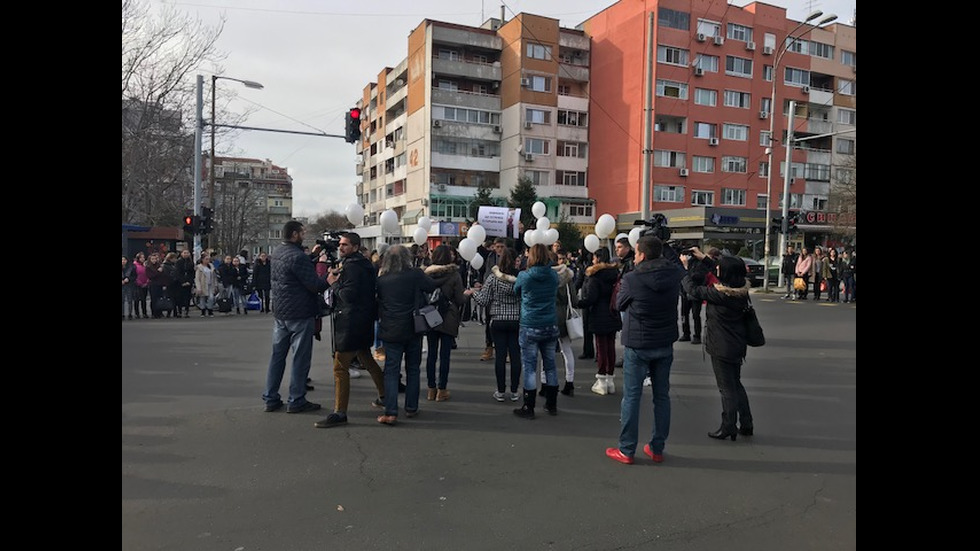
[[204, 468]]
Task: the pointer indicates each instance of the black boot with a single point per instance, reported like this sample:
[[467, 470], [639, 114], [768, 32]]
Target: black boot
[[568, 389], [527, 410], [550, 399], [724, 432]]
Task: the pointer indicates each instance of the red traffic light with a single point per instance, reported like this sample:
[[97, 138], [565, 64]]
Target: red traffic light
[[355, 113], [188, 220]]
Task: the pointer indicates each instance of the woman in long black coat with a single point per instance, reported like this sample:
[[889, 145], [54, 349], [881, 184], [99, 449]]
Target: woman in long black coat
[[603, 322]]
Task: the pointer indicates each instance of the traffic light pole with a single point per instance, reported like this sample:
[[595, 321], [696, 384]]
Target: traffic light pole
[[198, 130], [784, 236]]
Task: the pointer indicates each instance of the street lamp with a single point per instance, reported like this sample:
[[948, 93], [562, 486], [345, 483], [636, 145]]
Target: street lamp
[[790, 38], [214, 79]]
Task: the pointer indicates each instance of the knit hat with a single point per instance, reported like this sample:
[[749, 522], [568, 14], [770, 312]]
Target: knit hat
[[382, 249]]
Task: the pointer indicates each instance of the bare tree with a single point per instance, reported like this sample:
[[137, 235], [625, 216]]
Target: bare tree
[[238, 221], [329, 221], [843, 198], [160, 53]]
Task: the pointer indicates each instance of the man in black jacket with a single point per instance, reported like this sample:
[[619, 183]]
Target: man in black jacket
[[352, 288], [789, 270], [295, 287]]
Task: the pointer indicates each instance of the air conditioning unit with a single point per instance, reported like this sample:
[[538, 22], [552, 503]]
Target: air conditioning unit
[[805, 89], [750, 46], [525, 82], [698, 72], [712, 141], [767, 50], [497, 129], [701, 37], [437, 123], [684, 172], [441, 187], [763, 114], [719, 40], [528, 124], [529, 157]]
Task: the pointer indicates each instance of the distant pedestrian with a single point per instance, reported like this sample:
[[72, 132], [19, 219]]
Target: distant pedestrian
[[262, 280], [128, 288]]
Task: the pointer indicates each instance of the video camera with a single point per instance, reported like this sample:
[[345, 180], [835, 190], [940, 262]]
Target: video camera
[[330, 244], [655, 226]]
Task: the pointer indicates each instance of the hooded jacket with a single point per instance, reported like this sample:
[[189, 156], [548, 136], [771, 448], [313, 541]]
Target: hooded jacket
[[596, 294], [450, 284], [399, 296], [498, 294], [536, 288], [724, 326], [648, 296], [354, 305]]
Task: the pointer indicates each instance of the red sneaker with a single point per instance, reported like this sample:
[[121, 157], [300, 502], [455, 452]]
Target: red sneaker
[[616, 455], [657, 458]]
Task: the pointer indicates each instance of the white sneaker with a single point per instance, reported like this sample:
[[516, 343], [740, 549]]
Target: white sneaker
[[498, 396], [646, 382], [600, 385], [354, 373], [514, 396]]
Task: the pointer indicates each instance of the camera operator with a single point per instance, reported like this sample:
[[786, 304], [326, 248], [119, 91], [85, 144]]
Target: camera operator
[[352, 286], [698, 269]]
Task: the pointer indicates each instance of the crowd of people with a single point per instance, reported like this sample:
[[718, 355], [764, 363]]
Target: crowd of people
[[822, 272], [522, 299]]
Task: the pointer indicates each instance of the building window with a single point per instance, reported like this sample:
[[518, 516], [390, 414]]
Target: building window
[[448, 85], [708, 63], [537, 146], [766, 105], [734, 98], [676, 159], [564, 90], [580, 210], [738, 132], [451, 55], [847, 116], [673, 19], [709, 28], [538, 51], [763, 169], [848, 58], [540, 84], [818, 49], [816, 172], [570, 178], [572, 149], [538, 116], [765, 138], [668, 194], [460, 114], [760, 200], [844, 175], [703, 96], [738, 66], [672, 56], [796, 77], [847, 87], [767, 73], [703, 164], [573, 118], [538, 177], [733, 197], [705, 198], [733, 164], [845, 146], [671, 89], [739, 32], [705, 130]]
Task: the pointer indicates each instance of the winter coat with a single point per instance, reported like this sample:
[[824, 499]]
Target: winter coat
[[295, 284], [241, 277], [262, 275], [648, 298], [724, 326], [154, 274], [141, 279], [537, 287], [399, 295], [205, 281], [129, 273], [354, 304], [185, 272], [596, 294], [789, 264], [227, 274], [498, 293], [566, 290], [450, 285], [804, 265]]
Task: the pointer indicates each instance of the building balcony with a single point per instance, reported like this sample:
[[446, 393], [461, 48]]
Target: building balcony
[[470, 70], [460, 98], [467, 38], [463, 162], [574, 103], [568, 71]]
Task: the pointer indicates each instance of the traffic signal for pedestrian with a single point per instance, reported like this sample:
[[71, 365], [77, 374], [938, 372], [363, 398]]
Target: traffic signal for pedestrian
[[191, 223], [352, 127]]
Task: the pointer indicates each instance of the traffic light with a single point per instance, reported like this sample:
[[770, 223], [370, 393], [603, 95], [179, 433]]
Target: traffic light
[[206, 222], [190, 223], [352, 128], [791, 222], [777, 222]]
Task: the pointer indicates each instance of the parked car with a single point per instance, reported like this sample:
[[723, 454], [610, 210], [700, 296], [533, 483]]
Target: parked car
[[756, 271]]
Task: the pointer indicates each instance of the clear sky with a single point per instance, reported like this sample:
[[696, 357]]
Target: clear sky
[[314, 58]]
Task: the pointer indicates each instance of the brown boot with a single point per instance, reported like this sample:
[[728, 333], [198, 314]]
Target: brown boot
[[487, 354], [442, 395], [431, 395]]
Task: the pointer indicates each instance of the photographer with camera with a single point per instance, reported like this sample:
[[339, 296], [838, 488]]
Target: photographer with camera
[[691, 308], [352, 286]]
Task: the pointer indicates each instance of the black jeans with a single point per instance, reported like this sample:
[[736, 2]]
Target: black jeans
[[734, 400], [690, 308], [588, 340], [506, 342]]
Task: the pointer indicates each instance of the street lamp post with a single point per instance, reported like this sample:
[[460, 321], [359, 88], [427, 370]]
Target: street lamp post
[[198, 129], [214, 79], [790, 38]]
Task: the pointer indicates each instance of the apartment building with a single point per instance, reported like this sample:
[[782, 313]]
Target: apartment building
[[471, 107], [712, 76], [254, 201]]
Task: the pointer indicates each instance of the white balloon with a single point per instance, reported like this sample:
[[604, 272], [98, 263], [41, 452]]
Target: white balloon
[[592, 242], [538, 209], [543, 223], [355, 214], [529, 237], [467, 249], [539, 237], [477, 262], [389, 221], [425, 222], [634, 236], [605, 225], [477, 233], [420, 236], [550, 236]]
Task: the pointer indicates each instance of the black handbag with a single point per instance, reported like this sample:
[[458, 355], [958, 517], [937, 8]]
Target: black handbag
[[164, 304], [753, 329], [427, 317]]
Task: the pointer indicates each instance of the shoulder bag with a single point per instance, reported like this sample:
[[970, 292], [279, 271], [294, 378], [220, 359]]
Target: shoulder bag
[[426, 317], [753, 329], [573, 323]]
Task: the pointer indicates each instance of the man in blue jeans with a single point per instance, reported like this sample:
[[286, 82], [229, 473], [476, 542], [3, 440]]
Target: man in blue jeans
[[648, 298], [295, 287]]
